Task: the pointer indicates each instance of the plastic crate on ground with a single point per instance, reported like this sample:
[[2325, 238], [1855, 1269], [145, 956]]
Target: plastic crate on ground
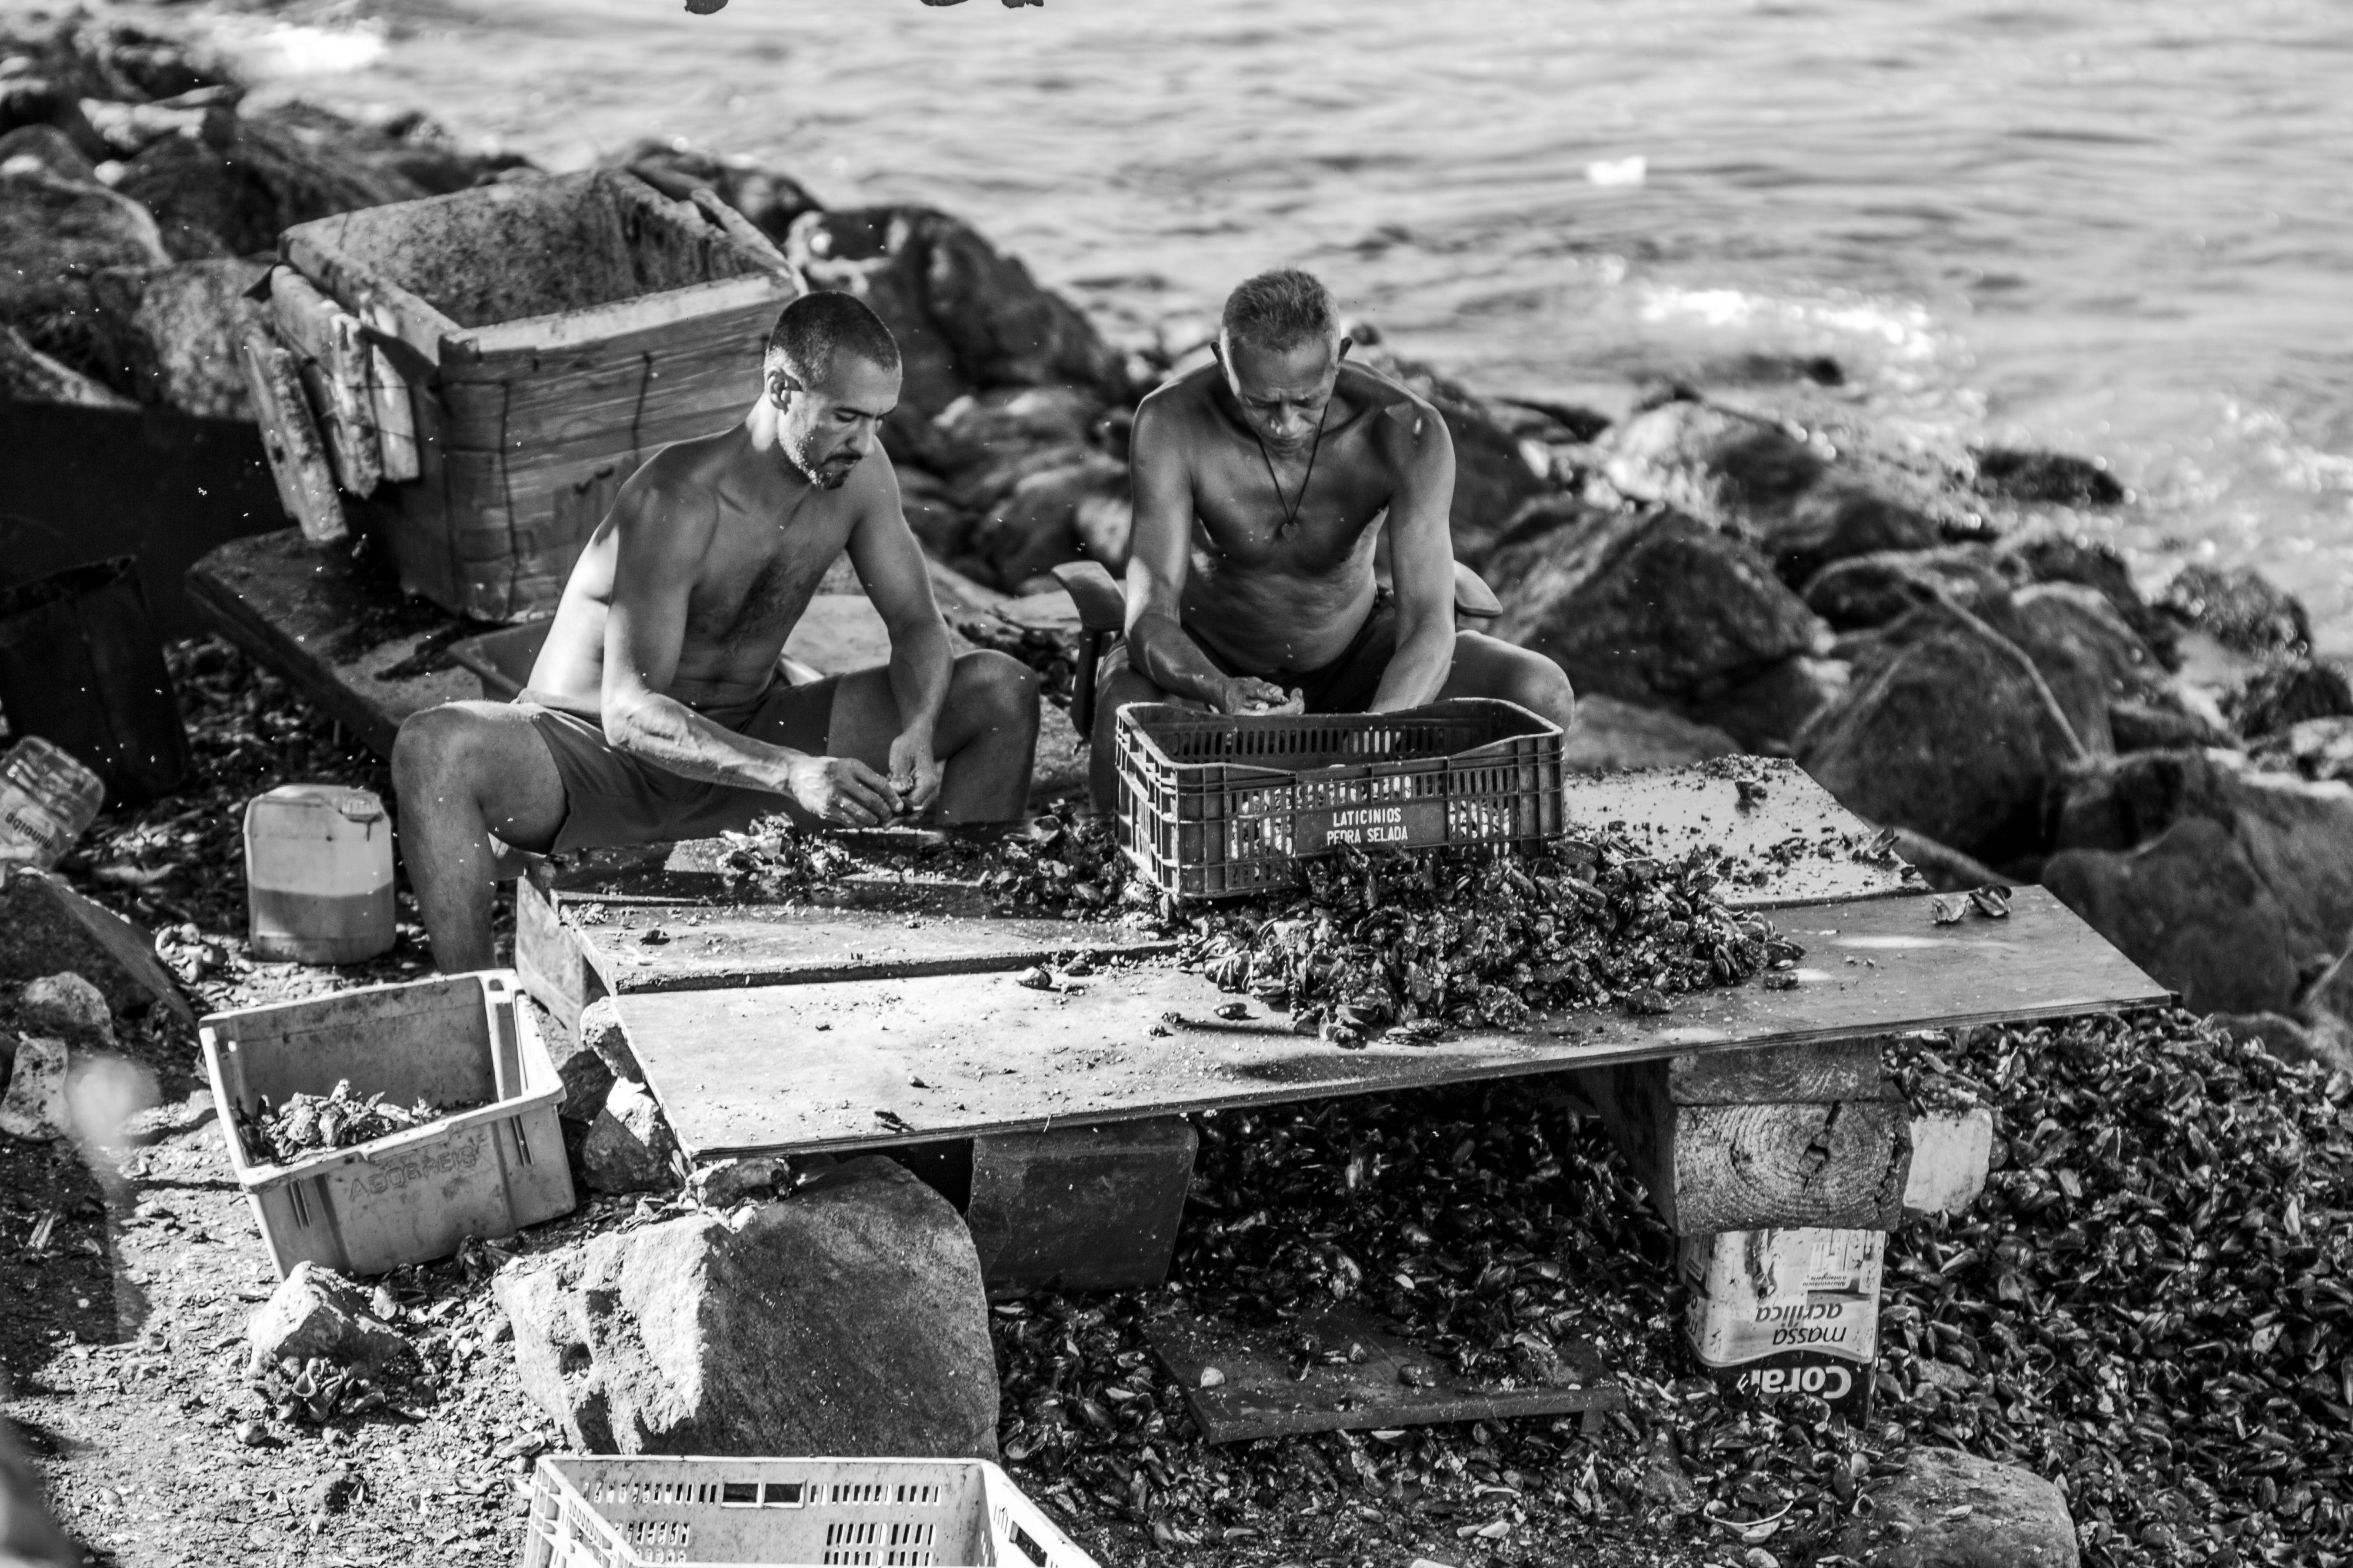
[[786, 1513], [1212, 804], [415, 1195]]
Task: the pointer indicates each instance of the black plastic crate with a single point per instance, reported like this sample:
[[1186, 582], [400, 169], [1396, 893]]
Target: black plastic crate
[[1213, 804]]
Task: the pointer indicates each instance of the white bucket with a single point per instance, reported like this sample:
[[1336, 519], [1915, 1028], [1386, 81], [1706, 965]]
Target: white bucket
[[318, 874]]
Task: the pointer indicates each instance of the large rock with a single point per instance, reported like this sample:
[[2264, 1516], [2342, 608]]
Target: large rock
[[2088, 656], [676, 167], [172, 332], [2319, 748], [1948, 729], [967, 317], [28, 375], [1750, 476], [2240, 608], [601, 1031], [2292, 834], [233, 189], [89, 57], [1497, 472], [1768, 710], [316, 1313], [2027, 474], [1010, 422], [35, 1106], [44, 149], [2082, 624], [629, 1147], [848, 1319], [46, 927], [1653, 607], [2289, 692], [2043, 555], [2191, 910], [1951, 1509], [1612, 735], [1079, 508], [69, 1007], [587, 1077], [56, 236], [407, 145], [1866, 590]]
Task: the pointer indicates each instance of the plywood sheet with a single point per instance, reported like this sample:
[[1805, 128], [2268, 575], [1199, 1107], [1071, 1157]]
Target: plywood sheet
[[660, 947], [1382, 1382], [345, 639], [1790, 841], [848, 1063]]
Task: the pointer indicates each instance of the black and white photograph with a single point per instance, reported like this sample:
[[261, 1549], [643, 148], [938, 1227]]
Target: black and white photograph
[[1118, 784]]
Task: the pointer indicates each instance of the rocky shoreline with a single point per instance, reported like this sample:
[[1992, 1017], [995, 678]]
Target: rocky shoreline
[[1761, 567], [1754, 568]]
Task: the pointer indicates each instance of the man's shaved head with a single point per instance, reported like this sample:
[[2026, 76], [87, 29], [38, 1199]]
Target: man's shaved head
[[831, 375], [1279, 311], [817, 329]]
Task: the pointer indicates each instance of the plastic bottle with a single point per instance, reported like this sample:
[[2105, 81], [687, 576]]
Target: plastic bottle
[[48, 799], [318, 874]]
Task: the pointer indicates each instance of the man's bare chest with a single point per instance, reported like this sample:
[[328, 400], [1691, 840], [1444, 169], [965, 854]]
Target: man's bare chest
[[1254, 513], [755, 583]]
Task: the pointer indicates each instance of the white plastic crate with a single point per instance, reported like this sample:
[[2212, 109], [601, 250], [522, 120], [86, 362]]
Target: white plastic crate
[[786, 1513], [416, 1196]]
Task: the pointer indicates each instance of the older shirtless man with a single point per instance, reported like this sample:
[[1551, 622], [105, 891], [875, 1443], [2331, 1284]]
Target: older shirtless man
[[1262, 486], [656, 712]]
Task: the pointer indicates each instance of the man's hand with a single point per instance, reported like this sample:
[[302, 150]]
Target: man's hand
[[915, 772], [1249, 695], [841, 790]]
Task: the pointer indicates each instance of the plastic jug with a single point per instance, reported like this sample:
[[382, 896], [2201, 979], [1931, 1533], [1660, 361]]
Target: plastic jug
[[48, 799], [318, 874]]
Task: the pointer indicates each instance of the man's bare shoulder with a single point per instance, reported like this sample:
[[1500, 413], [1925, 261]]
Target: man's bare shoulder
[[1181, 406], [1403, 427]]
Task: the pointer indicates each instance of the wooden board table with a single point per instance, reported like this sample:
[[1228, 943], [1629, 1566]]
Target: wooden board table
[[892, 1012], [885, 1014]]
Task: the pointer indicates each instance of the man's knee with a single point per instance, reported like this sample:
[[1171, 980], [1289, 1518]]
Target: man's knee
[[995, 689], [432, 744], [1520, 674]]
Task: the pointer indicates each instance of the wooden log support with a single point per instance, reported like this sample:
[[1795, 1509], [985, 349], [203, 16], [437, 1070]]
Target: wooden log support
[[1808, 1134], [1081, 1208], [298, 458]]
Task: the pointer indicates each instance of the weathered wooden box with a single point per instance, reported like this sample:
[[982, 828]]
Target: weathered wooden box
[[549, 335]]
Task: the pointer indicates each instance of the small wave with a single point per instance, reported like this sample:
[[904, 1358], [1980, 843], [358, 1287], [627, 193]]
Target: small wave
[[1907, 330], [304, 48], [2297, 464]]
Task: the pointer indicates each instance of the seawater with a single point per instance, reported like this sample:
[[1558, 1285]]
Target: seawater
[[2120, 227]]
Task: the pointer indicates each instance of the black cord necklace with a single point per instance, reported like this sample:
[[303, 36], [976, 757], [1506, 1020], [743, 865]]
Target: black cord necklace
[[1291, 510]]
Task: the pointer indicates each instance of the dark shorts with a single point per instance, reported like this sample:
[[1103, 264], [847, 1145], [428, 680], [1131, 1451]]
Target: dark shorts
[[613, 799], [1346, 685], [1350, 682]]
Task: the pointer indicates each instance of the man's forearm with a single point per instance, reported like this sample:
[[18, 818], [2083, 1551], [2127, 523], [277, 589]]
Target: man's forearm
[[1417, 669], [921, 662], [675, 738], [1174, 662]]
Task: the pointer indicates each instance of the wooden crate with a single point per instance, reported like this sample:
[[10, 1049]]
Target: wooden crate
[[551, 335]]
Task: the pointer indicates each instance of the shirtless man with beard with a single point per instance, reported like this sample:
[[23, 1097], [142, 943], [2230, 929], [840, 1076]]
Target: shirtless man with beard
[[1264, 486], [656, 712]]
